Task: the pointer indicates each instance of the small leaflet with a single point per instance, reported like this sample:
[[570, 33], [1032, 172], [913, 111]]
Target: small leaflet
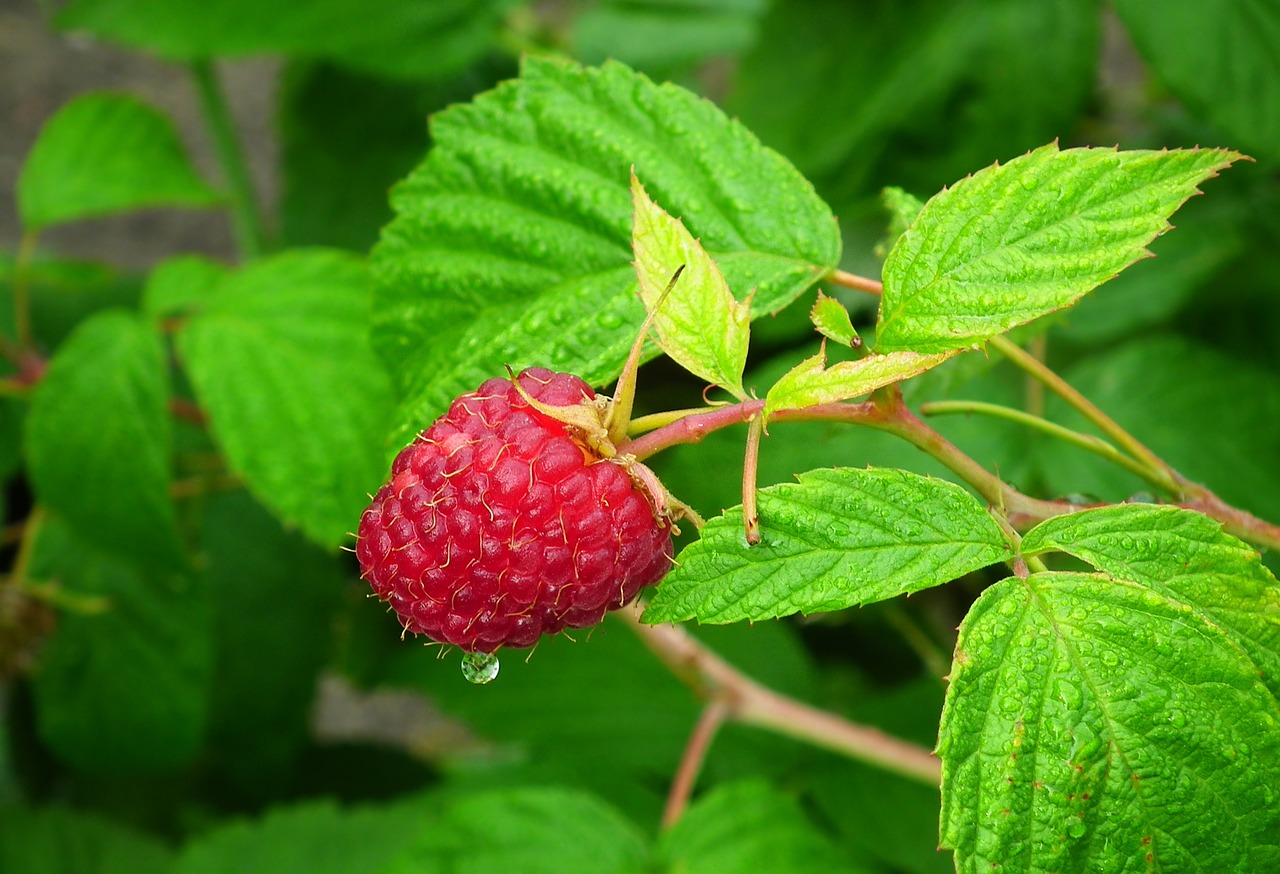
[[811, 382], [832, 321]]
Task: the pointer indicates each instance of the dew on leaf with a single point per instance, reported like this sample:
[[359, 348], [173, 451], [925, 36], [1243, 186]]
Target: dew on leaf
[[479, 667]]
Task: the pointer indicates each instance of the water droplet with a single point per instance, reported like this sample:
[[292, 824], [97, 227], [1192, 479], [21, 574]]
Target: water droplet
[[479, 667], [1177, 718], [1076, 830]]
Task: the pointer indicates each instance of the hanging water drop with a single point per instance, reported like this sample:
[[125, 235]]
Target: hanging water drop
[[479, 667]]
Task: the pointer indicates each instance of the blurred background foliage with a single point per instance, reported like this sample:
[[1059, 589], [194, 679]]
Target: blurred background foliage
[[194, 681]]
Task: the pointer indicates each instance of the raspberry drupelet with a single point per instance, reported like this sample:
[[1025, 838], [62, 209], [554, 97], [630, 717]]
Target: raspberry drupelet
[[500, 523]]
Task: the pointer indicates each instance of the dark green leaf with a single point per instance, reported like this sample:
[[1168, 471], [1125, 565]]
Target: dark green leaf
[[105, 153], [666, 34], [397, 37], [1093, 724], [1225, 65], [748, 828], [98, 440], [1185, 557], [54, 840], [533, 831], [124, 688], [512, 242], [281, 363], [835, 539], [1016, 241]]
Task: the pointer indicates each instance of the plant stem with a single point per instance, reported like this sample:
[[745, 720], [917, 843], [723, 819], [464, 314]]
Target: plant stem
[[246, 218], [22, 291], [935, 660], [695, 752], [750, 703], [653, 421], [750, 475], [1085, 441], [854, 281]]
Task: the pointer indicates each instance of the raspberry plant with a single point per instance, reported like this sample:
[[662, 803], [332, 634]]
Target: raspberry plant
[[1001, 489]]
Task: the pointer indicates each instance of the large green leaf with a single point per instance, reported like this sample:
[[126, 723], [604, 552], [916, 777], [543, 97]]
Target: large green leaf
[[124, 689], [1016, 241], [55, 840], [281, 363], [533, 831], [747, 828], [98, 439], [1093, 724], [399, 37], [1225, 65], [105, 153], [512, 242], [1185, 557], [835, 539]]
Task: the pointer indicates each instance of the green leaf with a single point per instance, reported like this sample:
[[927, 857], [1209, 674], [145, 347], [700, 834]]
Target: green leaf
[[280, 361], [98, 440], [835, 539], [512, 242], [832, 321], [1014, 242], [1185, 557], [123, 689], [533, 831], [749, 827], [1093, 724], [699, 323], [181, 284], [55, 840], [812, 382], [1225, 66], [394, 37], [106, 153], [667, 34], [903, 207], [317, 837]]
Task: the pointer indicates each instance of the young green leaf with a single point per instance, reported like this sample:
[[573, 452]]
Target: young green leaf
[[512, 242], [832, 321], [812, 382], [98, 440], [1014, 242], [835, 539], [1092, 724], [281, 363], [698, 322], [1185, 557], [125, 689], [106, 153]]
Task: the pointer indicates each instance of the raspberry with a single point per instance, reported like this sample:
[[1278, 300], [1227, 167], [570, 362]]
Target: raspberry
[[499, 524]]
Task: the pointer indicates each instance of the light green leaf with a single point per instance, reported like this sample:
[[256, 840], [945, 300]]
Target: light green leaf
[[835, 539], [106, 153], [123, 690], [533, 831], [98, 440], [748, 828], [1185, 557], [698, 322], [297, 401], [180, 284], [394, 37], [903, 207], [512, 242], [54, 840], [1093, 724], [832, 321], [811, 382], [1014, 242], [1226, 66], [317, 837], [666, 34]]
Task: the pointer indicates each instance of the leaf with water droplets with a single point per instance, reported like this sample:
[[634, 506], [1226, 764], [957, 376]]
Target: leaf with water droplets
[[1012, 243], [512, 241], [1184, 556], [1094, 724], [835, 539], [698, 322]]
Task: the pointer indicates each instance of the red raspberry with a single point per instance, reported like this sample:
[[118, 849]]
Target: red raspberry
[[500, 525]]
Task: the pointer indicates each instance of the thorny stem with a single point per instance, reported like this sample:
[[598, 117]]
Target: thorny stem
[[245, 216], [695, 752], [750, 703]]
